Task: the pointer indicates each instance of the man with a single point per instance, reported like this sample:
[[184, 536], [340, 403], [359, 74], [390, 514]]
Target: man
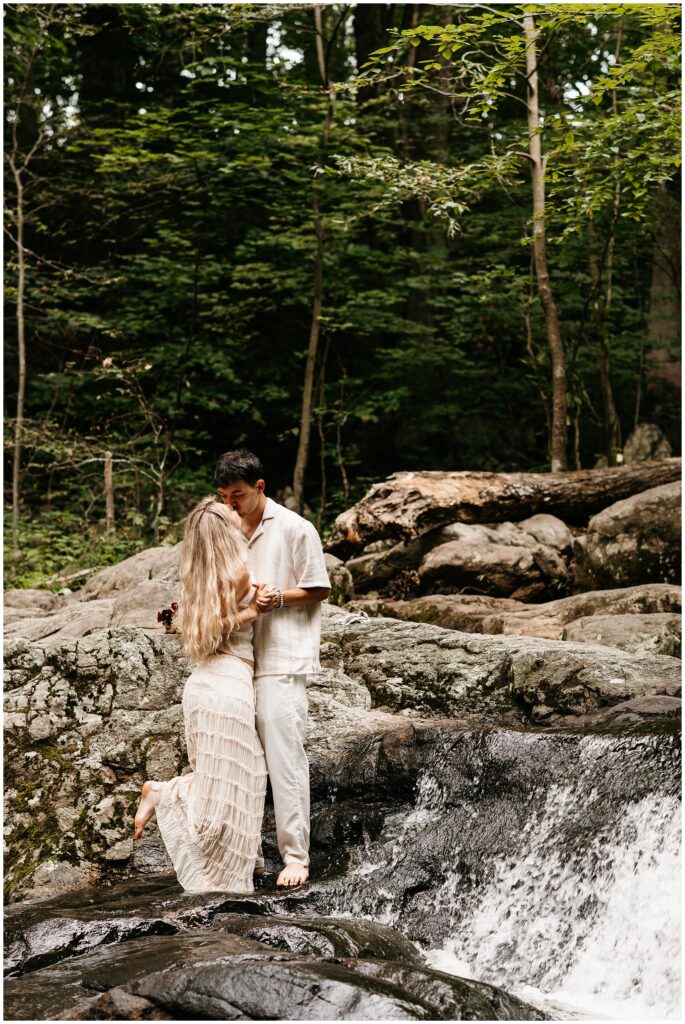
[[284, 550]]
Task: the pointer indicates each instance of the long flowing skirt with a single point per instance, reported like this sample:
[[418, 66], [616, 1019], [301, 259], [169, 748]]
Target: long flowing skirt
[[210, 819]]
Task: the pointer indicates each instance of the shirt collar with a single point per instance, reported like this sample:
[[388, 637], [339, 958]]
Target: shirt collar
[[270, 512]]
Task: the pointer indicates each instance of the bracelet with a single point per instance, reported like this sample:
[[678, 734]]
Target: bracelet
[[280, 594]]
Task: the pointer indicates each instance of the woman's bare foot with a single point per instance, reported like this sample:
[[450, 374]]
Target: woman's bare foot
[[146, 807], [292, 874]]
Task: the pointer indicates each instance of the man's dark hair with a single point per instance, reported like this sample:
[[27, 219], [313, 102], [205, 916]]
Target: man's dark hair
[[238, 465]]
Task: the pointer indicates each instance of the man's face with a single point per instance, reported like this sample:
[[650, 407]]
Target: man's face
[[242, 497]]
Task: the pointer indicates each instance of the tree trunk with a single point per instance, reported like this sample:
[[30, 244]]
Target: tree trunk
[[306, 415], [21, 351], [662, 365], [559, 434], [407, 505], [109, 494]]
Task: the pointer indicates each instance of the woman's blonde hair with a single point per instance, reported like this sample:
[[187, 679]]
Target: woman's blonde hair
[[213, 564]]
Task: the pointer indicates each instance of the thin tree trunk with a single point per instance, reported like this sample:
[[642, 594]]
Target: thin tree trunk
[[109, 494], [21, 350], [612, 425], [306, 414], [559, 433]]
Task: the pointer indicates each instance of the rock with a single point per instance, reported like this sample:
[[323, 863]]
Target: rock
[[639, 634], [48, 991], [342, 585], [118, 1004], [87, 720], [475, 613], [155, 563], [54, 877], [645, 443], [139, 605], [501, 560], [634, 541], [261, 988], [384, 561], [32, 600], [321, 936], [437, 672], [73, 620], [549, 531]]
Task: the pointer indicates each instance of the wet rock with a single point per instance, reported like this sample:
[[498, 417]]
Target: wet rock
[[319, 989], [475, 613], [46, 992], [639, 634], [634, 541], [322, 936], [646, 442]]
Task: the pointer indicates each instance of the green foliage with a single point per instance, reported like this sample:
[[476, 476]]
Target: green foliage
[[171, 247]]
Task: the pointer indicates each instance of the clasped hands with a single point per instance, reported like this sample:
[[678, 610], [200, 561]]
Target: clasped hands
[[265, 598]]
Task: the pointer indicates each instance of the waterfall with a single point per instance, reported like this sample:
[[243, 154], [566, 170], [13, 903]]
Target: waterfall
[[580, 913], [598, 929]]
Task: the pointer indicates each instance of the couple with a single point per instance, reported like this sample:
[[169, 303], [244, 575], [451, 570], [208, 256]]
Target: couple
[[252, 579]]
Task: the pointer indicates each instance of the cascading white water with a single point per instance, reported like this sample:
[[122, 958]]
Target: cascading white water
[[583, 919], [596, 929]]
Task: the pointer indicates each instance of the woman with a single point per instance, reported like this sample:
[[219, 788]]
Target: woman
[[210, 819]]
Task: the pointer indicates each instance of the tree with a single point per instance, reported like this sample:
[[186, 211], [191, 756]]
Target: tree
[[485, 51]]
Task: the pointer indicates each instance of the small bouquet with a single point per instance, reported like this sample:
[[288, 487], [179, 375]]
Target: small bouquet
[[167, 616]]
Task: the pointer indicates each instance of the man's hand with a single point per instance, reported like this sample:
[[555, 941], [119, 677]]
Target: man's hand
[[265, 597]]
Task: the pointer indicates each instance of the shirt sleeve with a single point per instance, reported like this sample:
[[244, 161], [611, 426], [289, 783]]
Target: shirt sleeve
[[308, 561]]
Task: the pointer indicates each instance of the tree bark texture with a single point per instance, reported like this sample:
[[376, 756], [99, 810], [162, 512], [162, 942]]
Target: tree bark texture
[[559, 435], [308, 388], [109, 494], [407, 505], [21, 354]]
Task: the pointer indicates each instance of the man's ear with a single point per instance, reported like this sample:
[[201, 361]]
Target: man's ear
[[260, 485]]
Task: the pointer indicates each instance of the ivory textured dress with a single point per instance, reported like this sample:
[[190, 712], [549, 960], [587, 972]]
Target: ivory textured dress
[[210, 819]]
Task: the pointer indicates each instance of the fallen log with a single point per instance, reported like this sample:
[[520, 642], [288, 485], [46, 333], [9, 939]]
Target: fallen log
[[407, 505]]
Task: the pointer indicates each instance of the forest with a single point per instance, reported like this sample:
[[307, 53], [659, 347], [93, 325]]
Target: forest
[[354, 238]]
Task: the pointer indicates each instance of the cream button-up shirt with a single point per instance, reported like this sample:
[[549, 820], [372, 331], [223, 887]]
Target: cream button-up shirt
[[285, 551]]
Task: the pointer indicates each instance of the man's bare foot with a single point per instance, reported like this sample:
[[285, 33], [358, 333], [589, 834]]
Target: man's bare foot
[[292, 874], [146, 807]]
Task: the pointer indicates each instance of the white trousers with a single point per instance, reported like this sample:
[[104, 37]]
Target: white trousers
[[282, 726]]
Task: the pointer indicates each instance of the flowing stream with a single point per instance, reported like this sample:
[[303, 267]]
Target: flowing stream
[[581, 916], [598, 934]]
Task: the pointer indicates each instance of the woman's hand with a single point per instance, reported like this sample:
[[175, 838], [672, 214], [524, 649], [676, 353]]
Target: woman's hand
[[265, 597]]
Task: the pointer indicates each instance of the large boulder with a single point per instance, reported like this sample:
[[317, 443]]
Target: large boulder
[[502, 560], [646, 442], [637, 540], [476, 613], [152, 564], [524, 560], [640, 634]]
